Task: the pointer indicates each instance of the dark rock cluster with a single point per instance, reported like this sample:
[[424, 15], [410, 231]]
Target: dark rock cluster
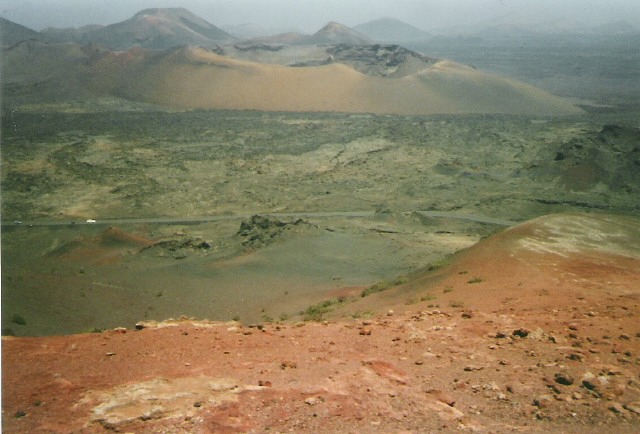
[[262, 230]]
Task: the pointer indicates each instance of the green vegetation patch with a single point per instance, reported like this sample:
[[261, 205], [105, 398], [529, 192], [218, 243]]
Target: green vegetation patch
[[383, 285], [317, 311], [439, 264]]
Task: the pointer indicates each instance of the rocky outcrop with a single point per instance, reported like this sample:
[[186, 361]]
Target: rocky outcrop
[[260, 230], [381, 60]]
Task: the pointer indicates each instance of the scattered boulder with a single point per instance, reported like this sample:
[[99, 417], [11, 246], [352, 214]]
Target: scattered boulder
[[521, 333], [564, 379], [543, 401], [616, 407], [634, 407], [589, 381]]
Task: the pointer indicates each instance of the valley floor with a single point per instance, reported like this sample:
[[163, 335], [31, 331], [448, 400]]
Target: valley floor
[[108, 160]]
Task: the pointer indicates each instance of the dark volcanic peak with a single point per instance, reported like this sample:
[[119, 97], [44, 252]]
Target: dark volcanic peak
[[159, 28], [336, 33], [391, 30], [12, 33]]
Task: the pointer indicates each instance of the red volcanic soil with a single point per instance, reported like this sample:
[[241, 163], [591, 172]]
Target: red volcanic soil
[[535, 330]]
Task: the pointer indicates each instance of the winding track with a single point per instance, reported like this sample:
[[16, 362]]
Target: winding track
[[206, 219]]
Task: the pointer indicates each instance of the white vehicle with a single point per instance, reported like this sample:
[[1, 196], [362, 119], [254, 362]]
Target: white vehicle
[[91, 221]]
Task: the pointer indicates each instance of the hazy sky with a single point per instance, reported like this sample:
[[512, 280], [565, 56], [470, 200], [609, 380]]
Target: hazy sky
[[310, 15]]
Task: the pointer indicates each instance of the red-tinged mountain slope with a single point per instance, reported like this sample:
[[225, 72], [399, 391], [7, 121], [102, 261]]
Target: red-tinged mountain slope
[[159, 28], [555, 261]]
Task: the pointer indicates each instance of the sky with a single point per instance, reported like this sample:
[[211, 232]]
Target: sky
[[311, 15]]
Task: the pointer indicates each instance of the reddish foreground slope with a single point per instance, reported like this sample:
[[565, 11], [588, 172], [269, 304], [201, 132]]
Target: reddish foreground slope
[[536, 330]]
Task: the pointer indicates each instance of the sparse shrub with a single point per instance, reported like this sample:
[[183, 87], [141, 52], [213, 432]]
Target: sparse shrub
[[454, 303], [438, 264], [447, 289], [400, 280], [365, 314], [428, 297], [316, 311], [476, 280], [411, 300], [17, 319], [378, 287], [383, 285], [284, 317]]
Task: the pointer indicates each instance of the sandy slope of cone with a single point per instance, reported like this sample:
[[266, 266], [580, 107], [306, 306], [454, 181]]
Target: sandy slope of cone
[[196, 78]]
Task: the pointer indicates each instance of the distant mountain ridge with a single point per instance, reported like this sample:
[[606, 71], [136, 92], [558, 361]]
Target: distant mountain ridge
[[391, 30], [161, 28], [332, 33], [173, 58], [12, 33]]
